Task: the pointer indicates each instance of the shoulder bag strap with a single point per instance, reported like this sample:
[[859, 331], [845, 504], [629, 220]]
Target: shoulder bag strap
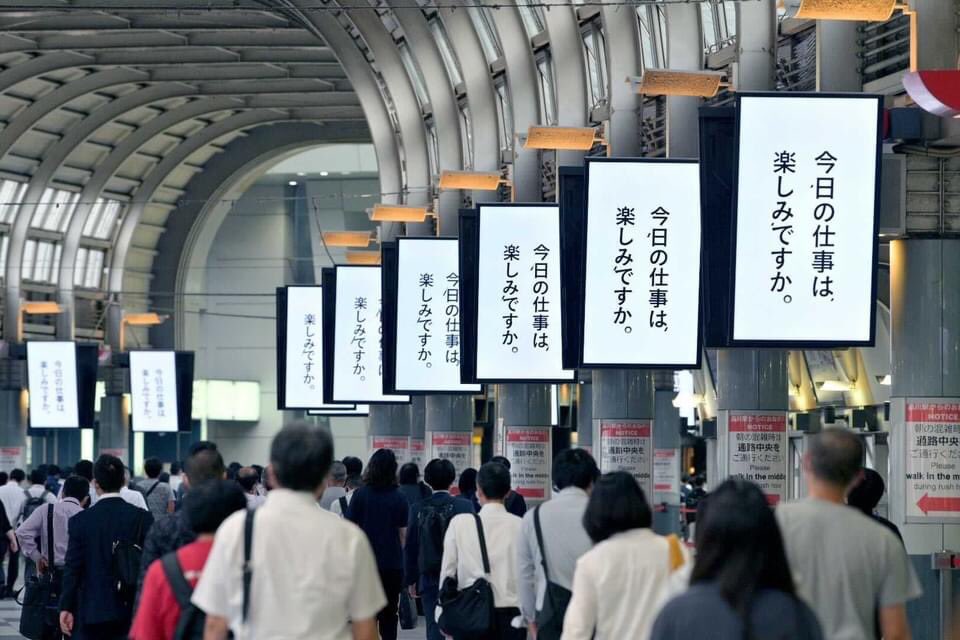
[[147, 494], [178, 582], [50, 556], [247, 565], [483, 545], [543, 548], [343, 506]]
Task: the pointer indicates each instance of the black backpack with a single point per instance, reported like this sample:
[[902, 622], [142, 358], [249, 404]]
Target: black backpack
[[127, 556], [432, 523], [192, 620], [32, 503]]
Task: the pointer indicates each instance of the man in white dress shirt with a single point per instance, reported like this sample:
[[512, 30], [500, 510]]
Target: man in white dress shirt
[[314, 576], [463, 561]]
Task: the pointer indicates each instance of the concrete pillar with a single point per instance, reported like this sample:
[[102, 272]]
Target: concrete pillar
[[667, 442], [389, 428], [756, 45], [585, 416], [416, 449], [837, 56], [115, 428], [925, 325], [523, 413], [685, 53], [13, 428], [448, 426], [623, 406]]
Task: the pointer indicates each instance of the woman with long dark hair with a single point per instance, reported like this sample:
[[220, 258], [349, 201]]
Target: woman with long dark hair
[[381, 511], [741, 586], [621, 583]]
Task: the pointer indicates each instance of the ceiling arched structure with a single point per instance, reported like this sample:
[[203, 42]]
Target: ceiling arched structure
[[132, 107]]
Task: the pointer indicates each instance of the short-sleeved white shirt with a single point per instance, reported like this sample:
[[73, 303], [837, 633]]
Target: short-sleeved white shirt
[[313, 572]]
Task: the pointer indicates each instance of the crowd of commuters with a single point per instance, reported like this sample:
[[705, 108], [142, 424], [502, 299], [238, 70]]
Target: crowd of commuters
[[313, 547]]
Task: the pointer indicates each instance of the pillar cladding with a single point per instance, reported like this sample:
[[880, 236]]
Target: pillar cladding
[[667, 443], [524, 435], [13, 429], [390, 429], [114, 433], [416, 450], [585, 416], [623, 412], [448, 430]]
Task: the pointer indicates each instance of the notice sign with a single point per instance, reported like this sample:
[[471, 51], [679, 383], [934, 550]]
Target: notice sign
[[428, 316], [758, 451], [302, 355], [529, 451], [933, 459], [666, 472], [450, 445], [519, 309], [398, 444], [153, 390], [416, 452], [12, 458], [641, 298], [358, 349], [806, 219], [625, 445], [52, 380]]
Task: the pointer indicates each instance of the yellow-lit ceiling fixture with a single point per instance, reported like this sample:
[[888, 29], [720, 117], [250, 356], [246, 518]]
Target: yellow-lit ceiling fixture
[[41, 308], [671, 82], [147, 319], [363, 257], [346, 238], [859, 10], [562, 138], [397, 213], [476, 180]]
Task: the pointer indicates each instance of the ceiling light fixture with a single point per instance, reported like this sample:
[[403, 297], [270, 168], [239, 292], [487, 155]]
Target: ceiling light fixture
[[476, 180], [292, 183], [835, 385], [324, 174], [346, 238], [562, 138], [397, 213], [363, 257], [671, 82]]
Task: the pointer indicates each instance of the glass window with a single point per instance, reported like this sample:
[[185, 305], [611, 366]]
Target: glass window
[[532, 19], [94, 271], [708, 26], [595, 57], [103, 216], [483, 24], [54, 210], [466, 136], [446, 52], [548, 98], [413, 71], [504, 114], [11, 193], [433, 149]]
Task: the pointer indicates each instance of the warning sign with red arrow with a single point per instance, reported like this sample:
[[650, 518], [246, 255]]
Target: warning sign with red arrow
[[932, 465]]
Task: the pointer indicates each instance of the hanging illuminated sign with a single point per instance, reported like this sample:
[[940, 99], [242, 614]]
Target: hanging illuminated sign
[[52, 381], [518, 295], [427, 316], [153, 391], [357, 363], [806, 211], [641, 297]]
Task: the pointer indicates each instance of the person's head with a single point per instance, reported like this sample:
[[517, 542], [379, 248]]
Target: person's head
[[354, 465], [338, 474], [468, 481], [248, 479], [834, 458], [382, 469], [699, 481], [300, 457], [175, 468], [354, 482], [501, 460], [164, 477], [109, 474], [18, 476], [574, 468], [38, 476], [83, 468], [152, 467], [201, 445], [493, 482], [232, 470], [4, 477], [617, 504], [739, 546], [259, 470], [76, 487], [439, 474], [53, 471], [409, 473], [203, 466], [867, 492], [209, 504]]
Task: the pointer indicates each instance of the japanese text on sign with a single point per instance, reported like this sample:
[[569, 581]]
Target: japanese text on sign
[[52, 377], [454, 446], [757, 451], [625, 445], [529, 451], [303, 371], [153, 390], [398, 444], [932, 460]]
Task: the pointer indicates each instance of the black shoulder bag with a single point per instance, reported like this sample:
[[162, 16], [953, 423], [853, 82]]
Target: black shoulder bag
[[247, 564], [556, 599], [192, 620], [41, 594], [469, 613]]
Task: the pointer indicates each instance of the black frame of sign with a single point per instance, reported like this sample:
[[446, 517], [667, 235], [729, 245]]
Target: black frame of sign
[[390, 264], [470, 235], [86, 356], [571, 195], [281, 325], [582, 283], [329, 283], [805, 344], [183, 373], [334, 413]]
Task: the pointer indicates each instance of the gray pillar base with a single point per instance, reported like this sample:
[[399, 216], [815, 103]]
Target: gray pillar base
[[115, 428]]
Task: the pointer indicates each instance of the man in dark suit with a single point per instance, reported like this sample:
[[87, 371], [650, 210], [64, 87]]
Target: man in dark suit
[[427, 526], [92, 607]]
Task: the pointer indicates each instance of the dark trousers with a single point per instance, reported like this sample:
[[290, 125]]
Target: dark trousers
[[429, 594], [13, 570], [103, 631], [502, 630], [388, 619]]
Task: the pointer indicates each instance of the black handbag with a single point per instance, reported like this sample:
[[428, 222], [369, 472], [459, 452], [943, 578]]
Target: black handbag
[[41, 595], [407, 611], [469, 613], [556, 599]]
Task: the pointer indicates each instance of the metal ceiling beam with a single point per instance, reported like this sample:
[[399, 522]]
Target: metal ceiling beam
[[623, 49], [570, 74]]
